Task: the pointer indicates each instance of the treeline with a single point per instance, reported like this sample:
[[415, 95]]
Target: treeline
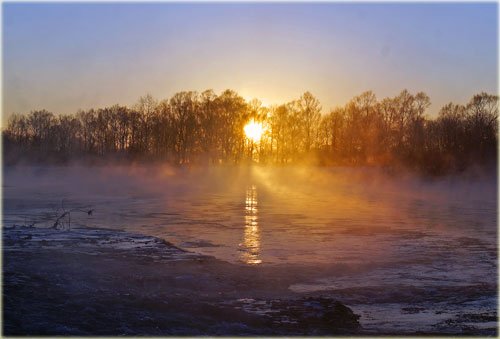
[[193, 128]]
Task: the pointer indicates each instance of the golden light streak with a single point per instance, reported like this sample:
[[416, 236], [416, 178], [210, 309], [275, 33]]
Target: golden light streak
[[251, 237]]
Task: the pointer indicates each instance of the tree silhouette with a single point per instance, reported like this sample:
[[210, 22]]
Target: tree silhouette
[[206, 128]]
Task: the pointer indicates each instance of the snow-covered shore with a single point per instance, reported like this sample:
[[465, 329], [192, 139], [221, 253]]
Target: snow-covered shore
[[100, 282], [89, 281]]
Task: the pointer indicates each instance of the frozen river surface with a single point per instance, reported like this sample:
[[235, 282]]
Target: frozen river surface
[[410, 255]]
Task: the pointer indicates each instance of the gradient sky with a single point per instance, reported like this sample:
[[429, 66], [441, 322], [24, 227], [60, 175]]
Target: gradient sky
[[64, 56]]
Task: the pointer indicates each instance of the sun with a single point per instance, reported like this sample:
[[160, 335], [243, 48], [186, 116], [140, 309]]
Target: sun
[[253, 130]]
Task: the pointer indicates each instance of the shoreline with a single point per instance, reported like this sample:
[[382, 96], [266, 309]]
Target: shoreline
[[114, 278], [116, 282]]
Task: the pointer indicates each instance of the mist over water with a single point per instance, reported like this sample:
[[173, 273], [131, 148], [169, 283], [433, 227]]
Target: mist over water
[[281, 215], [391, 233]]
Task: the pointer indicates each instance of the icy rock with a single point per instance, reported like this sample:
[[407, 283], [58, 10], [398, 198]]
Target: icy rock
[[311, 315]]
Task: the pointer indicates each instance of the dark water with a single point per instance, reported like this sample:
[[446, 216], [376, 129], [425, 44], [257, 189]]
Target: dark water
[[420, 251]]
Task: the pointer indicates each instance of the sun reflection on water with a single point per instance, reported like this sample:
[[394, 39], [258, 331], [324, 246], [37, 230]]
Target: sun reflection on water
[[251, 238]]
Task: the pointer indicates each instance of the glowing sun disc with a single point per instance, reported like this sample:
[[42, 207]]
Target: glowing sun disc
[[253, 130]]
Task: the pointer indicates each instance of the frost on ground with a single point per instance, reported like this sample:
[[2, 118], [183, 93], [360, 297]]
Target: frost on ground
[[92, 241], [101, 282], [90, 281]]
